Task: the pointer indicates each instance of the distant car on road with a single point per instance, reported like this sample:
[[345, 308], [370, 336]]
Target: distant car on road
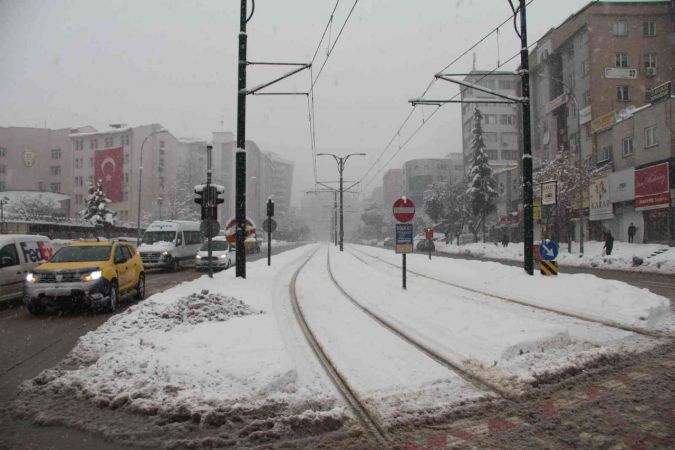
[[389, 243], [223, 255], [424, 245], [91, 274]]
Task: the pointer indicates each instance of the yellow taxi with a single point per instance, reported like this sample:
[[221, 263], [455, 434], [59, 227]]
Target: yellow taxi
[[92, 274]]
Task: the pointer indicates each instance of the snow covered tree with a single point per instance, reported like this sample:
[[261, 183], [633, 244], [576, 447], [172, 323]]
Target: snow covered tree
[[375, 222], [96, 210], [434, 202], [482, 185], [33, 207]]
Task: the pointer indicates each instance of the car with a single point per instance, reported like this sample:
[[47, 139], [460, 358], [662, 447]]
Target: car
[[389, 243], [223, 255], [168, 244], [425, 245], [90, 274], [19, 254]]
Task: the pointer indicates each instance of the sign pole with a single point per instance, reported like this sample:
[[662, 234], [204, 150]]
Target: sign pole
[[404, 272], [209, 204], [404, 211], [270, 213]]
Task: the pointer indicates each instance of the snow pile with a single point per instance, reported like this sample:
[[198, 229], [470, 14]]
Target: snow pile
[[210, 358], [636, 257]]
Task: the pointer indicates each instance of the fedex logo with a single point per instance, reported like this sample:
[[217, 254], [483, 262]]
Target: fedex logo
[[36, 251]]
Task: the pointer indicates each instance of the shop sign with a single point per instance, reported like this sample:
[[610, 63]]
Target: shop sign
[[603, 122], [509, 219], [622, 186], [652, 187], [660, 92], [557, 102], [28, 157], [585, 115], [620, 73], [600, 206], [548, 193]]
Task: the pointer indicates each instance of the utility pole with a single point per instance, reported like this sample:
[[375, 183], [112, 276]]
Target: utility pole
[[210, 202], [240, 167], [528, 219], [335, 208], [341, 161]]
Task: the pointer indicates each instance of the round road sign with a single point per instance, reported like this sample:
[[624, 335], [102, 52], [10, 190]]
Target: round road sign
[[269, 225], [404, 210], [215, 228], [548, 250]]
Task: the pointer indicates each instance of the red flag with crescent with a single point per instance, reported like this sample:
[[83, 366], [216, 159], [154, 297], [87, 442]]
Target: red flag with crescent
[[108, 166]]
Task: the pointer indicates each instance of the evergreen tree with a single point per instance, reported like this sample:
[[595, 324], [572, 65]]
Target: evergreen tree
[[96, 210], [434, 202], [482, 186]]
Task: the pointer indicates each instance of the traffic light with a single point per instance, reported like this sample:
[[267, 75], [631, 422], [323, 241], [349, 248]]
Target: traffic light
[[270, 207], [209, 197]]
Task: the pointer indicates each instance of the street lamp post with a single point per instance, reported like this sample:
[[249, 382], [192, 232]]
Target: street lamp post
[[341, 161], [140, 185], [159, 203]]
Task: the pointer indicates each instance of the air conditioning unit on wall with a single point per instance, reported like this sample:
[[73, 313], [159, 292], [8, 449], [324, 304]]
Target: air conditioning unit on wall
[[651, 71]]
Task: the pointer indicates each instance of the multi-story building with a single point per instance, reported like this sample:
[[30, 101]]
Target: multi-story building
[[456, 165], [500, 124], [392, 187], [607, 57], [418, 175], [36, 159], [114, 156], [281, 173]]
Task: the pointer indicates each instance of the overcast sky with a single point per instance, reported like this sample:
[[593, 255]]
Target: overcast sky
[[94, 62]]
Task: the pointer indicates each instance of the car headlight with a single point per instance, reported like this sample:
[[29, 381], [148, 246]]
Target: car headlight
[[95, 275], [166, 255], [198, 256], [31, 278], [222, 256]]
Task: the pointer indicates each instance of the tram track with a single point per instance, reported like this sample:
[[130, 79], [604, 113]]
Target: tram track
[[607, 323]]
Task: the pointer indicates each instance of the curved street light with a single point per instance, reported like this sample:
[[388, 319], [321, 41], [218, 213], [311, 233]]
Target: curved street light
[[341, 160], [140, 184]]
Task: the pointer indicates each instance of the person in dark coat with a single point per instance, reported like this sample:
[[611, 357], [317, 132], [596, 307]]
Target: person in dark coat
[[505, 240], [631, 232], [609, 243]]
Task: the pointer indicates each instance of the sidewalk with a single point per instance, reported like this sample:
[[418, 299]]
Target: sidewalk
[[652, 258]]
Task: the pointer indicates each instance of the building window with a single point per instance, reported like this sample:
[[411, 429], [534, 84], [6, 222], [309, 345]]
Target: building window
[[510, 155], [507, 84], [126, 158], [109, 142], [79, 181], [93, 144], [55, 187], [79, 144], [3, 152], [55, 170], [2, 169], [620, 28], [621, 59], [650, 137], [91, 179], [56, 153], [587, 99], [78, 163], [492, 154], [125, 196], [125, 139], [162, 144], [490, 137], [649, 28], [584, 68], [490, 119], [507, 119], [605, 153], [627, 146], [126, 177], [622, 93], [650, 60]]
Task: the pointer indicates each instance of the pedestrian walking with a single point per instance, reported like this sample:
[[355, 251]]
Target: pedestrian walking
[[505, 240], [631, 232], [609, 243]]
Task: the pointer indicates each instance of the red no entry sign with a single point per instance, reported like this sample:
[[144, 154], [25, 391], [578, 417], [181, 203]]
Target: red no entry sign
[[404, 210]]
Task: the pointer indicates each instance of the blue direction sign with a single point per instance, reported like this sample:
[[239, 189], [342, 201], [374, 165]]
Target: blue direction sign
[[548, 250], [404, 238]]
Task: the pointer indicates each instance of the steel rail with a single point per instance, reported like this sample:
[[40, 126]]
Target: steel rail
[[367, 420], [607, 323]]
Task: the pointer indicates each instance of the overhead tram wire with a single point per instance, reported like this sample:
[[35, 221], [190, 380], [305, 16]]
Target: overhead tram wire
[[431, 83], [313, 80]]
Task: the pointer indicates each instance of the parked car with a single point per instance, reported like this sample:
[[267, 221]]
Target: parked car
[[424, 245], [389, 243], [223, 255], [19, 254], [91, 274], [169, 244]]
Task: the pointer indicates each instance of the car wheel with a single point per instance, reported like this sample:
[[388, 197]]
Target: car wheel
[[113, 297], [229, 263], [140, 287], [176, 265], [35, 308]]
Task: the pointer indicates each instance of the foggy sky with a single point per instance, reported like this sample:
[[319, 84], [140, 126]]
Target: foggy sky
[[94, 62]]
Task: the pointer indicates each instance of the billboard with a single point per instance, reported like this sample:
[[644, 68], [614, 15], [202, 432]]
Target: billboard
[[652, 187], [548, 193], [600, 206]]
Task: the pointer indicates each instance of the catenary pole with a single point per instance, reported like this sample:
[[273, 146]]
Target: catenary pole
[[335, 208], [210, 202], [341, 168], [528, 219], [240, 165]]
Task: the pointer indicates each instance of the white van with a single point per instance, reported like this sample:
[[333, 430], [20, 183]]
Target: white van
[[170, 244], [19, 254]]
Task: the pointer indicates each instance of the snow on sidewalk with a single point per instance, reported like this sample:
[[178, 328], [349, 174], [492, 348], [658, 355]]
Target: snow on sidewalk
[[582, 294], [655, 258], [187, 355], [397, 380], [511, 344]]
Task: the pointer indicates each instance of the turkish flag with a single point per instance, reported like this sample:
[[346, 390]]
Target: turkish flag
[[108, 166]]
